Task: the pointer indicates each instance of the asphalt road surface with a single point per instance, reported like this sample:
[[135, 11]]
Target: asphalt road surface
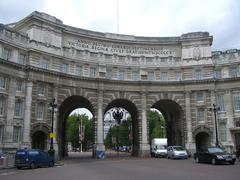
[[127, 169]]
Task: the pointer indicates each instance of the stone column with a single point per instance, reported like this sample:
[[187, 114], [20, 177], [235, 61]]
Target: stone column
[[8, 137], [230, 115], [100, 144], [213, 101], [189, 144], [144, 146], [27, 114]]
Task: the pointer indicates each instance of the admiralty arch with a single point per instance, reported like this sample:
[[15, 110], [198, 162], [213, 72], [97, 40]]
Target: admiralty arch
[[41, 58]]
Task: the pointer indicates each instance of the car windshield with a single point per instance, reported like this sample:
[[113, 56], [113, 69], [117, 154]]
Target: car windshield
[[215, 150], [178, 148]]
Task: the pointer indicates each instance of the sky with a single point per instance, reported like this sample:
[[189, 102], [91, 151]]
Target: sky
[[150, 18]]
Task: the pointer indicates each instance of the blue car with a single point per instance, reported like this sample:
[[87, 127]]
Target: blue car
[[33, 158]]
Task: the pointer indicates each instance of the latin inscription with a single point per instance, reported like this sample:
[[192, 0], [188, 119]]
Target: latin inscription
[[109, 48]]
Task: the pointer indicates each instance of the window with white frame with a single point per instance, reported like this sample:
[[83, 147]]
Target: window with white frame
[[3, 82], [22, 58], [40, 90], [199, 97], [19, 86], [109, 74], [79, 70], [135, 75], [233, 72], [151, 76], [2, 104], [178, 75], [198, 74], [65, 68], [16, 134], [220, 102], [218, 73], [40, 110], [44, 63], [236, 101], [93, 72], [200, 115], [222, 131], [121, 75], [164, 76], [7, 53], [1, 133], [18, 108]]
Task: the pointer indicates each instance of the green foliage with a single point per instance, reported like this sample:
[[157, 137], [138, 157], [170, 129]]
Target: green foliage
[[73, 131], [156, 122]]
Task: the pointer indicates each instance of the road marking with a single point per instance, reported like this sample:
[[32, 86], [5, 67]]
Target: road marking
[[8, 173]]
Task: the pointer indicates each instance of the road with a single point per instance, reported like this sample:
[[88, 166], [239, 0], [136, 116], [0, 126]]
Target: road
[[127, 169]]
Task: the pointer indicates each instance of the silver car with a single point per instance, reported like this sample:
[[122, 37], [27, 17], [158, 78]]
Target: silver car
[[176, 152]]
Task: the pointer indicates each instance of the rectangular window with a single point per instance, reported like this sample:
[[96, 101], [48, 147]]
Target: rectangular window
[[109, 74], [65, 68], [199, 97], [7, 53], [93, 72], [233, 72], [40, 111], [18, 108], [151, 76], [19, 86], [178, 76], [198, 74], [79, 70], [16, 134], [22, 58], [164, 76], [40, 90], [218, 74], [1, 133], [200, 114], [222, 132], [121, 75], [2, 103], [3, 82], [135, 75], [44, 63], [236, 101], [220, 101]]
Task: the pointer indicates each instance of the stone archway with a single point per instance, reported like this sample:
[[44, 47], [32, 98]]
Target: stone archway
[[202, 140], [39, 140], [66, 107], [173, 115], [132, 109]]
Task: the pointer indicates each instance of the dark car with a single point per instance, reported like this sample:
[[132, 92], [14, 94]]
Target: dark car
[[33, 158], [214, 155]]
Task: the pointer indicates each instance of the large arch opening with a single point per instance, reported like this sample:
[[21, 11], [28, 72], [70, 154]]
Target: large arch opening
[[133, 123], [66, 108], [174, 124]]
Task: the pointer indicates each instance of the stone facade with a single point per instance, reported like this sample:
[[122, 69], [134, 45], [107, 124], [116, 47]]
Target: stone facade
[[42, 59]]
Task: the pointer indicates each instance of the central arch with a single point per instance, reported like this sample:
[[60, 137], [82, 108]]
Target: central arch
[[66, 107], [132, 109], [173, 115]]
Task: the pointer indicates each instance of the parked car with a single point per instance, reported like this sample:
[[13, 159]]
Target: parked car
[[176, 152], [214, 155], [33, 158]]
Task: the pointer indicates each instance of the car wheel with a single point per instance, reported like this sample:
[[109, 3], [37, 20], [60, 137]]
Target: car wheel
[[214, 161], [197, 160], [32, 165], [51, 164], [232, 162], [19, 167]]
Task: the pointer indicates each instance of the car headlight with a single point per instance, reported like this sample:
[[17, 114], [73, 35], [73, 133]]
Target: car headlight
[[234, 156], [26, 159], [219, 157]]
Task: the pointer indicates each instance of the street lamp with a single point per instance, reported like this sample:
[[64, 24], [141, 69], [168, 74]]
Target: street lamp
[[53, 106], [214, 110], [81, 132], [117, 115]]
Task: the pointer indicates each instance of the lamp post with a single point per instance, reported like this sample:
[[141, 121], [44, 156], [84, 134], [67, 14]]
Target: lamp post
[[53, 106], [117, 115], [214, 110], [81, 132]]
